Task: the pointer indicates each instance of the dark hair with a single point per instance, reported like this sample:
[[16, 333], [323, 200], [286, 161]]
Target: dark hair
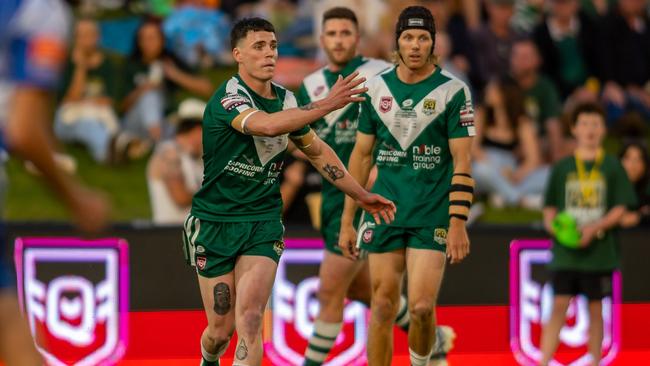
[[136, 53], [340, 12], [187, 125], [513, 100], [242, 27], [588, 107]]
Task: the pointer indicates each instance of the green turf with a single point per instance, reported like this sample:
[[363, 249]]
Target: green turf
[[125, 185]]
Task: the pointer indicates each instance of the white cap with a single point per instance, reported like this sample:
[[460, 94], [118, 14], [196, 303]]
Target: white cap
[[191, 108]]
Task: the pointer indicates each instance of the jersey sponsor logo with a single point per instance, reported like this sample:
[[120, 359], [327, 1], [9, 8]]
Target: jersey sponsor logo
[[467, 115], [319, 90], [407, 103], [231, 101], [426, 156], [429, 106], [531, 304], [440, 236], [278, 246], [75, 297], [385, 104], [201, 261]]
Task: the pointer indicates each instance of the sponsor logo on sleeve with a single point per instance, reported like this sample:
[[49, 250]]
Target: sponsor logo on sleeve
[[231, 101]]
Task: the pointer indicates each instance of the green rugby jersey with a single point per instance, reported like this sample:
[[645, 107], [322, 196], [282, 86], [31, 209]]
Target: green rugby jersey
[[241, 179], [609, 188], [338, 129], [413, 124]]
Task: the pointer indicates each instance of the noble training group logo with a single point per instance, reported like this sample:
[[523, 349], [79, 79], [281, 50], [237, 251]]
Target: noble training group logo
[[385, 104], [531, 303], [294, 307], [75, 296]]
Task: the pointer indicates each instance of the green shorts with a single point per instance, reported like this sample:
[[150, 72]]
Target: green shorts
[[330, 229], [213, 247], [383, 238]]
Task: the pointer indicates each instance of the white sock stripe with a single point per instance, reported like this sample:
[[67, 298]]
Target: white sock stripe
[[207, 355], [321, 343], [329, 330], [418, 360], [314, 355], [402, 319]]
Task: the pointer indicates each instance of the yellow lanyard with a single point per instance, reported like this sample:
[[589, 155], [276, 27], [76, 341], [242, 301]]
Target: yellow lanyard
[[586, 181]]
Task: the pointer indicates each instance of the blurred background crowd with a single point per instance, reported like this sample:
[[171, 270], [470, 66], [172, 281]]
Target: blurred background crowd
[[140, 71]]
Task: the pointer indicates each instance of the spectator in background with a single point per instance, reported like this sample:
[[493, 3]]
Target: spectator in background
[[443, 52], [197, 34], [175, 169], [542, 103], [493, 41], [506, 150], [460, 54], [635, 160], [87, 114], [625, 47], [151, 76], [528, 14], [568, 43]]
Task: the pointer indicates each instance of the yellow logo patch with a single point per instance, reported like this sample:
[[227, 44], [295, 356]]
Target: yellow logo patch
[[278, 247], [440, 236]]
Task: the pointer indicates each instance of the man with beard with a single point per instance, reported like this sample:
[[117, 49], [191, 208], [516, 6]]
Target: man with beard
[[340, 277]]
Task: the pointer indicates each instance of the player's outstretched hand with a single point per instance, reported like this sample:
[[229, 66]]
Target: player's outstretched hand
[[348, 242], [457, 242], [379, 207], [345, 91], [90, 210]]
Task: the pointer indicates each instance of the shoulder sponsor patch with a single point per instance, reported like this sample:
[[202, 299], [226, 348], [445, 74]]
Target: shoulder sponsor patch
[[467, 115], [231, 101]]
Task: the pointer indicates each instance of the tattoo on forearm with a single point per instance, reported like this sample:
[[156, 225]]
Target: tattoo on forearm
[[242, 350], [308, 107], [333, 172], [221, 298]]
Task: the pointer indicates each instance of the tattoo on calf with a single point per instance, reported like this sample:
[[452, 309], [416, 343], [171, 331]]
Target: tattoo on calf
[[333, 172], [308, 107], [221, 298], [242, 350]]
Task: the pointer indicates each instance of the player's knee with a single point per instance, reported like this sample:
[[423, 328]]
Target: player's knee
[[218, 336], [384, 309], [421, 312], [251, 322]]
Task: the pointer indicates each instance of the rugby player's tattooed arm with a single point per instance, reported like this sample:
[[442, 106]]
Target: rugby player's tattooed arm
[[259, 123], [323, 158]]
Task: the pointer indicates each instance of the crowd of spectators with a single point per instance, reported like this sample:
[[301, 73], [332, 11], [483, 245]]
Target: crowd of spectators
[[527, 62]]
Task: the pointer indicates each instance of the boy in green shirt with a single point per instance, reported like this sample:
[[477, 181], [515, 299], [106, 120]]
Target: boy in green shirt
[[593, 188]]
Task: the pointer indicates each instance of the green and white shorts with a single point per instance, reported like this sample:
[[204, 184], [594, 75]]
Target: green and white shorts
[[213, 247]]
